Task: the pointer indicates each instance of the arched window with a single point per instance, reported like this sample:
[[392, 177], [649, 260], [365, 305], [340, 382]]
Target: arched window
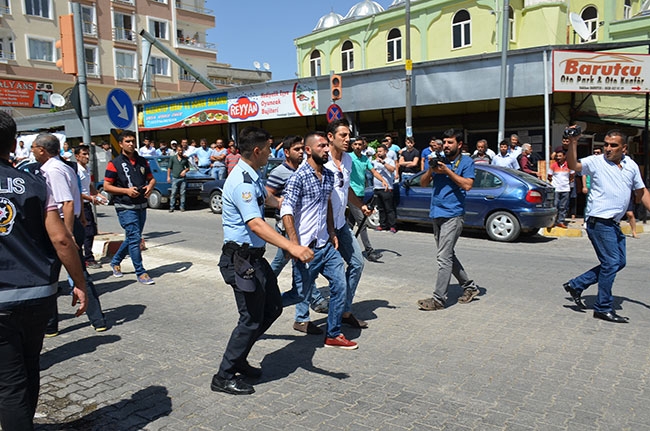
[[627, 9], [511, 23], [347, 56], [461, 29], [314, 63], [590, 16], [394, 45]]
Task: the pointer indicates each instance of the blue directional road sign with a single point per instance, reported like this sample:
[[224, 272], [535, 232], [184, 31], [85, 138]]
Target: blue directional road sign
[[119, 108], [334, 112]]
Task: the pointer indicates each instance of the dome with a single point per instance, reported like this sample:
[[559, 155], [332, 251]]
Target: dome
[[397, 3], [363, 9], [330, 20]]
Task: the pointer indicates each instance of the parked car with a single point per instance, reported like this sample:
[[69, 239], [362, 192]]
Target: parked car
[[505, 202], [162, 190], [212, 190]]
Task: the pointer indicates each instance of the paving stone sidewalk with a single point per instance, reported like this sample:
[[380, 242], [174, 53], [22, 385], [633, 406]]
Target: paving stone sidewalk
[[517, 358]]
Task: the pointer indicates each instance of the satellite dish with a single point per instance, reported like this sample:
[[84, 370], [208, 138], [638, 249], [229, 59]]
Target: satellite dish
[[266, 66], [57, 100], [257, 65], [579, 26]]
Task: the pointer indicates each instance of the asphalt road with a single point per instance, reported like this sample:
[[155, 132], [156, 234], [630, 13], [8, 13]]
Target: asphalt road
[[519, 357]]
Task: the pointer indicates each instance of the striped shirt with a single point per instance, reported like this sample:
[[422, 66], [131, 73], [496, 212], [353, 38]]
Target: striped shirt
[[610, 187], [306, 198]]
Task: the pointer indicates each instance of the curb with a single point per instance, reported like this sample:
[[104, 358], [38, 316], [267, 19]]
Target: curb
[[574, 232], [106, 245]]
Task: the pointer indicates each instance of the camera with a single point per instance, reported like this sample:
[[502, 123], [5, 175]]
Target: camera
[[436, 158], [572, 132]]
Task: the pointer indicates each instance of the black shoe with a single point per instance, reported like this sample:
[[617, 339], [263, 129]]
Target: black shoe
[[250, 371], [373, 256], [171, 210], [307, 328], [233, 386], [610, 316], [577, 296], [354, 322]]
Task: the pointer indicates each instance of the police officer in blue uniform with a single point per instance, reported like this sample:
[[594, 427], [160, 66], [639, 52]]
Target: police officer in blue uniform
[[32, 240], [242, 263]]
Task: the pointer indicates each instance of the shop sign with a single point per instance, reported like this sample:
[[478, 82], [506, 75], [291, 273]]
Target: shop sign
[[185, 112], [275, 101], [25, 94]]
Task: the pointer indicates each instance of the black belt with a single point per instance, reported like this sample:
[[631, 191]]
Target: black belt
[[230, 248], [203, 167], [601, 220]]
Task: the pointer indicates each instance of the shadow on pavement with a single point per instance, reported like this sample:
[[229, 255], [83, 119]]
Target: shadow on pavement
[[169, 268], [123, 314], [75, 348], [144, 407]]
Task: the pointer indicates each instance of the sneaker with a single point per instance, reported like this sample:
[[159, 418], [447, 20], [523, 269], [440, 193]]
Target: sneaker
[[145, 279], [171, 210], [307, 328], [430, 304], [117, 270], [380, 229], [341, 342], [100, 328], [322, 307], [182, 210], [468, 295], [393, 230], [372, 255], [51, 334], [93, 264]]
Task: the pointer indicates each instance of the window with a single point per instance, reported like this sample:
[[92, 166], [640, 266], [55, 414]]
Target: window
[[184, 75], [511, 23], [347, 56], [159, 66], [461, 29], [40, 49], [123, 27], [590, 17], [486, 180], [627, 9], [92, 63], [5, 7], [88, 22], [394, 45], [314, 63], [125, 65], [7, 48], [158, 29], [38, 8]]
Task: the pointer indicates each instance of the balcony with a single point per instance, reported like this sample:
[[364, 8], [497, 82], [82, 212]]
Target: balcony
[[89, 28], [6, 56], [125, 35], [125, 2], [193, 6], [92, 69], [5, 10], [187, 42]]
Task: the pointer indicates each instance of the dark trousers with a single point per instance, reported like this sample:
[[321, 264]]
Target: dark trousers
[[386, 206], [21, 340], [257, 311], [94, 310], [90, 230]]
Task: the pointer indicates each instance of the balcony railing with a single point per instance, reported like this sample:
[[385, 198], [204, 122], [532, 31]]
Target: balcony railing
[[92, 69], [193, 43], [5, 10], [125, 73], [127, 2], [124, 35], [193, 7], [89, 28], [5, 55]]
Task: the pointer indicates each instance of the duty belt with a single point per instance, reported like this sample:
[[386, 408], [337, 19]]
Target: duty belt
[[244, 250]]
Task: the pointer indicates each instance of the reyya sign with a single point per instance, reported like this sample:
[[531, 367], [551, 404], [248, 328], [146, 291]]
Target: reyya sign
[[601, 72]]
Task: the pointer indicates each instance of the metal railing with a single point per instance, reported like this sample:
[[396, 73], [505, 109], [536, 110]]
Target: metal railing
[[92, 69], [192, 7], [89, 28], [125, 73], [5, 10], [4, 55], [124, 35], [193, 43], [129, 2]]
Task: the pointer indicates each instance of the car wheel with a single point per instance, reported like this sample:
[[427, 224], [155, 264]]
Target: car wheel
[[155, 200], [503, 226], [373, 219], [215, 202]]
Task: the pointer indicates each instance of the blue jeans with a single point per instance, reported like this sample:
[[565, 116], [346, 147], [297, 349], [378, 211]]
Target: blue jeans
[[176, 184], [350, 252], [219, 172], [562, 204], [609, 243], [328, 262], [132, 221]]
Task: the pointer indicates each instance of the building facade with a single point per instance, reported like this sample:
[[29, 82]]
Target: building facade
[[112, 50]]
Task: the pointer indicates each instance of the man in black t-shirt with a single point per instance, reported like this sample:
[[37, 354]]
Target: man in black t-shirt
[[409, 159]]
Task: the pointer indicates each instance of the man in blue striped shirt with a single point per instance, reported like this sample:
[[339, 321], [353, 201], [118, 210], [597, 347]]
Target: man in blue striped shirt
[[613, 176]]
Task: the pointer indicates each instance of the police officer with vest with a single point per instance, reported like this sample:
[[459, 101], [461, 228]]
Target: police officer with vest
[[129, 180], [32, 240], [242, 263]]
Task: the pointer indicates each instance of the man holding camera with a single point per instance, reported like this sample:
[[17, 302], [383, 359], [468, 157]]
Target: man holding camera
[[454, 176], [613, 175]]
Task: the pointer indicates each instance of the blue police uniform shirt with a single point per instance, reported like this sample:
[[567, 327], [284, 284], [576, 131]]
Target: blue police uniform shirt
[[243, 200], [448, 199]]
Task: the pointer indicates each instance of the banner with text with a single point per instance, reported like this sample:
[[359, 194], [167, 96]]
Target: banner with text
[[187, 112], [601, 72], [276, 101], [26, 94]]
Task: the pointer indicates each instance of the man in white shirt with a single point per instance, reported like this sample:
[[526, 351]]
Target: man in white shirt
[[504, 158]]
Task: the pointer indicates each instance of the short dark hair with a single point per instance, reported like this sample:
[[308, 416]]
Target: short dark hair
[[453, 133], [382, 146], [290, 141], [311, 134], [331, 127], [49, 142], [126, 134], [616, 132], [79, 148], [7, 133], [251, 137], [504, 142]]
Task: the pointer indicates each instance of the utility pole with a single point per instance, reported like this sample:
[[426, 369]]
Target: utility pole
[[504, 69], [409, 70]]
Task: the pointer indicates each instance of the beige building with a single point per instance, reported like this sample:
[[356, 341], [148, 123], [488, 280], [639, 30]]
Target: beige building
[[112, 50]]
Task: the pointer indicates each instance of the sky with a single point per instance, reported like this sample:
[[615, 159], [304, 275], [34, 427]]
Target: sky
[[264, 30]]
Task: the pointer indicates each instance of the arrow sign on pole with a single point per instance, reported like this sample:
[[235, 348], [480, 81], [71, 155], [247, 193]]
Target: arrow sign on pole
[[119, 108]]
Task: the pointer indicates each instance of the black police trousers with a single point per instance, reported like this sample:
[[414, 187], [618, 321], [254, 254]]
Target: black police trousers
[[257, 311]]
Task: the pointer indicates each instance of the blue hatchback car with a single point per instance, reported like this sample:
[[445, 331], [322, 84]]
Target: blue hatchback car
[[504, 202]]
